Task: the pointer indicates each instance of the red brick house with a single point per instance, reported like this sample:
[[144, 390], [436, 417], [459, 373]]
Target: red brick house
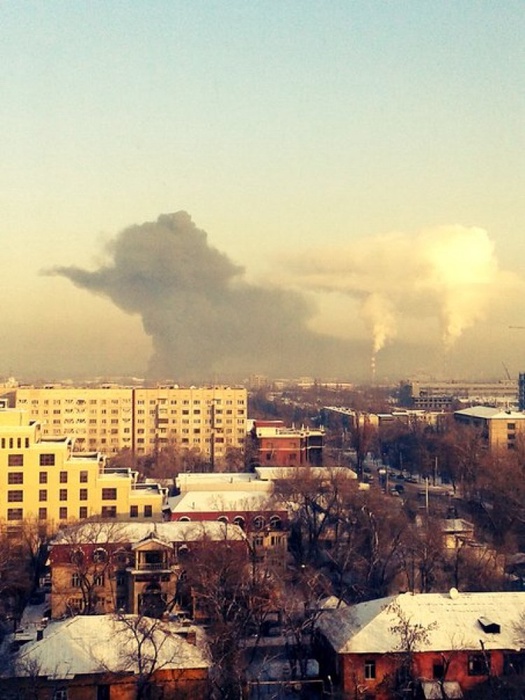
[[264, 521], [108, 657], [277, 445], [135, 567], [420, 645]]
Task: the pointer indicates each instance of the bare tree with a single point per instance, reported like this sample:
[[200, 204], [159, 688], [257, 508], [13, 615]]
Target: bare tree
[[86, 579]]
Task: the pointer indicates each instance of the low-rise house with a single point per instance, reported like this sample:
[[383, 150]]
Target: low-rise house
[[409, 642], [261, 517], [457, 532], [108, 656], [134, 567], [276, 444]]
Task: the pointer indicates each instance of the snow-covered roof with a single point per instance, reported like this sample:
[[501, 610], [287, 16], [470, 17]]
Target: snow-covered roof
[[169, 531], [276, 473], [226, 481], [211, 501], [486, 412], [451, 621], [90, 644]]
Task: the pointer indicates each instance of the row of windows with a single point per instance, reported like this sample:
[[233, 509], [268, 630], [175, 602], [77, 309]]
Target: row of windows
[[12, 443], [478, 664], [106, 512]]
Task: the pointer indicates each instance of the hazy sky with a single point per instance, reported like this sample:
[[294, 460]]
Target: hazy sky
[[363, 162]]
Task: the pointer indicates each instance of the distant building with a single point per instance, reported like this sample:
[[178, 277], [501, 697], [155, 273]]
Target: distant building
[[44, 479], [142, 420], [500, 429], [422, 644], [521, 391], [277, 445], [445, 395]]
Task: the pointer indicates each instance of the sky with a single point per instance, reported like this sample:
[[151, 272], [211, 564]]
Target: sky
[[206, 190]]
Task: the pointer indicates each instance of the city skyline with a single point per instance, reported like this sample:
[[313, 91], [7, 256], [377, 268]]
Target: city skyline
[[362, 161]]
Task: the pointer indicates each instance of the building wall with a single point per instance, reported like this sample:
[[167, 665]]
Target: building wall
[[351, 670], [97, 419], [44, 479], [209, 419], [144, 420], [183, 684]]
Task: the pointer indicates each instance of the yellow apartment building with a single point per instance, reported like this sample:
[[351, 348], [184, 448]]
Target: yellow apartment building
[[143, 420], [43, 478], [210, 419], [500, 429], [97, 418]]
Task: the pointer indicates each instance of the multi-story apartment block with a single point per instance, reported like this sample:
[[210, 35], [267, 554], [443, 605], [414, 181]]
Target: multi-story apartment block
[[446, 394], [209, 419], [43, 478], [500, 429], [143, 420], [97, 419]]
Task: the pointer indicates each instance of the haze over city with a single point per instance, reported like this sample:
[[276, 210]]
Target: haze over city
[[198, 190]]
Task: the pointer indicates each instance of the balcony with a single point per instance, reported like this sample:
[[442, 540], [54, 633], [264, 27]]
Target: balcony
[[152, 566]]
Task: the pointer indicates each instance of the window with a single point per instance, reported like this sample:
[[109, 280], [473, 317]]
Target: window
[[370, 669], [438, 670], [100, 555], [83, 477], [42, 513], [103, 692], [60, 694], [514, 663], [148, 511], [42, 495], [258, 522], [98, 579], [83, 495], [109, 494], [15, 460], [15, 478], [82, 512], [62, 495], [133, 511], [478, 664], [63, 477], [15, 496], [15, 513], [42, 478], [47, 460], [109, 511], [76, 580], [62, 513]]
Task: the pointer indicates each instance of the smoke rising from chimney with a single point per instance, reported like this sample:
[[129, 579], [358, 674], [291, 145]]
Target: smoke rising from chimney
[[201, 314], [450, 273]]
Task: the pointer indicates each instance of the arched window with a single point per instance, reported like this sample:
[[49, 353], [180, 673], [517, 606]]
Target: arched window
[[258, 522], [77, 557], [183, 551], [239, 520], [100, 555], [275, 523], [223, 519], [184, 519]]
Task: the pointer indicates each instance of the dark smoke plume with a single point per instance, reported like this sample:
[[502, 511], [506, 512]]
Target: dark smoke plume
[[201, 314]]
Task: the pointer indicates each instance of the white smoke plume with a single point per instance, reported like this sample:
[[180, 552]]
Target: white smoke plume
[[450, 273]]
